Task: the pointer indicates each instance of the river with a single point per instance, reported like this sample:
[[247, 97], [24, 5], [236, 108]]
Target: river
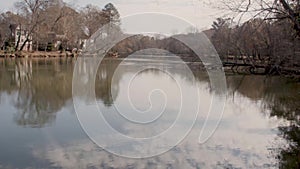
[[260, 126]]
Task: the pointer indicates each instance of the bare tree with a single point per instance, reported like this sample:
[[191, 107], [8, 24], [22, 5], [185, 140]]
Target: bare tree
[[54, 13], [222, 34], [31, 11], [72, 26], [268, 9], [93, 18], [5, 32], [9, 22], [50, 26]]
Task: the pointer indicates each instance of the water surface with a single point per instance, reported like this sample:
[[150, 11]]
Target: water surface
[[39, 128]]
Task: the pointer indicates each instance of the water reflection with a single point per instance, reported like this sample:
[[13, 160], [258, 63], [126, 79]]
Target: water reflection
[[42, 88], [104, 87], [260, 128], [279, 98]]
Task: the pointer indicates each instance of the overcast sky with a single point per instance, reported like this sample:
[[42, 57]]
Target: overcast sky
[[194, 11]]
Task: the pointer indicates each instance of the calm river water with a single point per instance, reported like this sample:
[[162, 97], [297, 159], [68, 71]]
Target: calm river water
[[39, 128]]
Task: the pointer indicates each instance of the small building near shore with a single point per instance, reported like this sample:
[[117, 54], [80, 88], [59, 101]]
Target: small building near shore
[[20, 38]]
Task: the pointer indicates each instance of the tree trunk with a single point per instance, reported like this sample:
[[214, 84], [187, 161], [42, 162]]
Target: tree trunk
[[18, 41], [293, 15], [23, 45]]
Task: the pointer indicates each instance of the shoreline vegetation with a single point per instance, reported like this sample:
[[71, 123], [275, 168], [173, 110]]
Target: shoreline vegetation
[[230, 65], [37, 54]]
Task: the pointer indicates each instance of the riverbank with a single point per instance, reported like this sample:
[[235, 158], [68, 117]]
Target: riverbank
[[228, 67], [36, 54]]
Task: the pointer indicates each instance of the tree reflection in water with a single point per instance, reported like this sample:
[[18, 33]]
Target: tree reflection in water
[[42, 88], [104, 85], [285, 103], [281, 97]]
